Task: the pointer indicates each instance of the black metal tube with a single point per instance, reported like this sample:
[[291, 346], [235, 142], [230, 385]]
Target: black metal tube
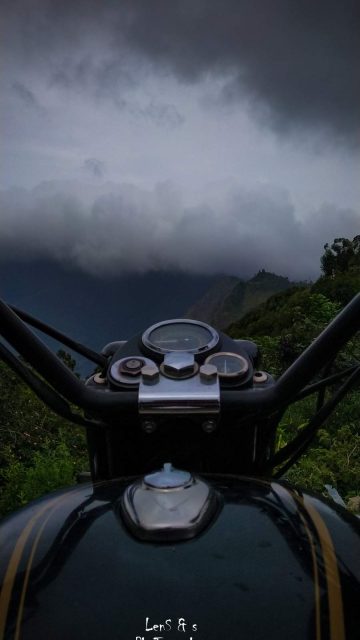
[[42, 390], [310, 362], [61, 337], [300, 443], [55, 371], [326, 382], [316, 356], [323, 349]]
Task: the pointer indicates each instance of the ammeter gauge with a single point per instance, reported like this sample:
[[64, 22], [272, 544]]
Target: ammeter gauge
[[229, 365]]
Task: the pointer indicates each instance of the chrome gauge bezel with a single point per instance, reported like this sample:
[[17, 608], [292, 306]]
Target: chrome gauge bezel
[[229, 376], [146, 340]]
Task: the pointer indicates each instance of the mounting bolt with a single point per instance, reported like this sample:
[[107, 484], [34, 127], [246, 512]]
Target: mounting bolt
[[179, 365], [150, 373], [131, 366], [149, 426], [208, 372], [209, 426]]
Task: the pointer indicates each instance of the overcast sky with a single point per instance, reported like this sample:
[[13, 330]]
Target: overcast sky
[[192, 134]]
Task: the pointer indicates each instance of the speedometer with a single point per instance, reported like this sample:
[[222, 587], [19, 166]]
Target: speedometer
[[180, 335]]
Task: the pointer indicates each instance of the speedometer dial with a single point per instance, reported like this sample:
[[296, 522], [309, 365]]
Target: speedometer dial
[[180, 335]]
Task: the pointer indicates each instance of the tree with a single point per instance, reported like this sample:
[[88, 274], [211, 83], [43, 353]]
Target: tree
[[342, 256], [67, 359]]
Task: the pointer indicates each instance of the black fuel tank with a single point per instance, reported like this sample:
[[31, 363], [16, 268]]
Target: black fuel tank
[[273, 563]]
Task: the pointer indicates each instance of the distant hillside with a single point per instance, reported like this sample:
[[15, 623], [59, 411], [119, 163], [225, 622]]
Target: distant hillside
[[228, 299], [208, 307], [96, 310], [279, 312], [283, 327], [273, 316]]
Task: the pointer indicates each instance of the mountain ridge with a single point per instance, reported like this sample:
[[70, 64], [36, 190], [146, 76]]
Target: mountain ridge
[[229, 298], [95, 310]]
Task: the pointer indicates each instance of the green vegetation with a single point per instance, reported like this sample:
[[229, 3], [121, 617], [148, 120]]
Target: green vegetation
[[47, 469], [248, 295], [230, 298], [39, 452], [342, 257], [283, 327]]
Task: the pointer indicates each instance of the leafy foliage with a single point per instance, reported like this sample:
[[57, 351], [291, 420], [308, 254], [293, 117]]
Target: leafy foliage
[[283, 327], [46, 470], [38, 450], [334, 459], [341, 257], [269, 318], [294, 318], [340, 288]]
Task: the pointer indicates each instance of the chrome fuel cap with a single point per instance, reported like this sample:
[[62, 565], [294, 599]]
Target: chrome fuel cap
[[168, 478], [168, 505]]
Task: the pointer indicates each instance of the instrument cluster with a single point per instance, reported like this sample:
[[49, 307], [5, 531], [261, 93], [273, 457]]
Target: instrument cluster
[[179, 350]]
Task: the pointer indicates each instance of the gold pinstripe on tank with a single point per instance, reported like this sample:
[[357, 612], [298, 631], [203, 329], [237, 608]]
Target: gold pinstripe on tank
[[286, 491], [336, 612], [29, 565], [316, 579], [11, 571]]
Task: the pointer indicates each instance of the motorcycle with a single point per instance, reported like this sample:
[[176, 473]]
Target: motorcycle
[[187, 529]]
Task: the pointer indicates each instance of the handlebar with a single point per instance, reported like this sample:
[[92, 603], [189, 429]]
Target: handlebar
[[55, 372], [312, 360], [321, 351]]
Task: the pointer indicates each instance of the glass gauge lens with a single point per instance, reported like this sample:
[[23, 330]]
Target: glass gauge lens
[[229, 365], [180, 335]]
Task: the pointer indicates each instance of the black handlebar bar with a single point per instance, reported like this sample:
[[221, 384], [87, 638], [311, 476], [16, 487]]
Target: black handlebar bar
[[314, 358], [321, 351], [56, 373]]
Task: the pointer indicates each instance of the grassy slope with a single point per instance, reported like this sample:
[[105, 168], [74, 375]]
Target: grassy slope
[[283, 326]]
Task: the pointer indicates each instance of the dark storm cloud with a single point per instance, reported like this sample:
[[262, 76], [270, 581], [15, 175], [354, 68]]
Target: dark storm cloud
[[124, 228], [108, 79], [297, 61], [294, 62], [27, 97], [95, 167], [162, 114]]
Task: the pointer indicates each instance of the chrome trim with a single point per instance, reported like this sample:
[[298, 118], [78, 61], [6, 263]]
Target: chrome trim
[[170, 509], [182, 396], [210, 345], [168, 478]]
